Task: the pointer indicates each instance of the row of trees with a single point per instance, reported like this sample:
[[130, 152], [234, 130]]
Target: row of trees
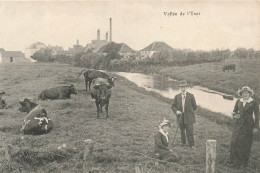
[[112, 60]]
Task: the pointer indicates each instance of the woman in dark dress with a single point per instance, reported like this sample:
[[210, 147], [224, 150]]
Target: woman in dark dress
[[244, 127], [161, 149]]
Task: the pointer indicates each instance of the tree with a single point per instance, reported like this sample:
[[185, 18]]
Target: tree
[[241, 53], [43, 55]]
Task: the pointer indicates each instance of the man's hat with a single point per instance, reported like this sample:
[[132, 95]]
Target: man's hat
[[183, 83], [245, 88]]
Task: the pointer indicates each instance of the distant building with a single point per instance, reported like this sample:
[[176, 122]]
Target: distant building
[[155, 47], [12, 56], [32, 49], [95, 45], [76, 49], [121, 48], [56, 50]]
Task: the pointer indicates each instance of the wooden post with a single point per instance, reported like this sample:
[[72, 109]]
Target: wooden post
[[95, 170], [87, 155], [210, 156], [138, 168], [7, 152]]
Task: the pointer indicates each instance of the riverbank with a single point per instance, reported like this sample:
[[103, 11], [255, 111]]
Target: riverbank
[[123, 140], [210, 75]]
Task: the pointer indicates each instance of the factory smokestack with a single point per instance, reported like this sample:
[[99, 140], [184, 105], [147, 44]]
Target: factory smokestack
[[110, 30], [106, 36], [77, 42], [98, 34]]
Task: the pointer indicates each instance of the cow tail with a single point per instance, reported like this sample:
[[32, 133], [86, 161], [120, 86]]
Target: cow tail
[[79, 75]]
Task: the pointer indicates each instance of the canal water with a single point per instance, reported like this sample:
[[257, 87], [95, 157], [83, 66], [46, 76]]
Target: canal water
[[167, 87]]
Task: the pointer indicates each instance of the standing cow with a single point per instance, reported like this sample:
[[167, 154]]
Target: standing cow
[[93, 74], [100, 91], [62, 92]]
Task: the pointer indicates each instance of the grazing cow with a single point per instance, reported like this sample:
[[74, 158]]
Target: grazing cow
[[2, 101], [62, 92], [229, 67], [100, 91], [27, 105], [37, 122], [93, 74]]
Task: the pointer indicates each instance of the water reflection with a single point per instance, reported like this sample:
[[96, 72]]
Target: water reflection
[[168, 88]]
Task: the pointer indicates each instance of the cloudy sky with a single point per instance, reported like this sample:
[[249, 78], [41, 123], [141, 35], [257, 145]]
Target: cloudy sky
[[218, 24]]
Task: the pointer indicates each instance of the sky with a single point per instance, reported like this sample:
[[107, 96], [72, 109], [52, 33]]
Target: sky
[[217, 25]]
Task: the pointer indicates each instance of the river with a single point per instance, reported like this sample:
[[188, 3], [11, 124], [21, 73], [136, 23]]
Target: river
[[167, 87]]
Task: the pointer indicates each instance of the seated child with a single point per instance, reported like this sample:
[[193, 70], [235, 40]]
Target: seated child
[[161, 149]]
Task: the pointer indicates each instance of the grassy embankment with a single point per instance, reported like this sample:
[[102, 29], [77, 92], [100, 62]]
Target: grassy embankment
[[210, 75], [134, 115]]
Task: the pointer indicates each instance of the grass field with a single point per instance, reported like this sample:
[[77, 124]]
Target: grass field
[[210, 75], [123, 140]]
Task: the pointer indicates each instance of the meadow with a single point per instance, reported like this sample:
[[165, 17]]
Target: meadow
[[121, 141]]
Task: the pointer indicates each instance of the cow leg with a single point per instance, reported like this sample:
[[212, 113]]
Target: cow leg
[[101, 109], [106, 110], [97, 104], [86, 85], [89, 84]]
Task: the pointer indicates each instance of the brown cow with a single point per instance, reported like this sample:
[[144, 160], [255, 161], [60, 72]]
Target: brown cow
[[91, 74], [100, 91], [27, 105], [62, 92]]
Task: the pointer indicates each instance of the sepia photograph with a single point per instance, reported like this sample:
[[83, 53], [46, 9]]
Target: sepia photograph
[[153, 86]]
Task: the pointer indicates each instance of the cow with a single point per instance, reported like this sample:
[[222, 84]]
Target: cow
[[100, 91], [37, 122], [61, 92], [27, 105], [91, 74], [2, 101], [229, 67]]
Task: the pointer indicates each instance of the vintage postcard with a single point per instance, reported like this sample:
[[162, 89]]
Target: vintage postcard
[[129, 86]]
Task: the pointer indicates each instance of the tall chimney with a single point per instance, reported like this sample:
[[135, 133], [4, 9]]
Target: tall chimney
[[98, 34], [106, 36], [110, 29], [77, 42]]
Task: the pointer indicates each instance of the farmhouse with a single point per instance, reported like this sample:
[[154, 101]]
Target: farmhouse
[[12, 56], [121, 48], [154, 47]]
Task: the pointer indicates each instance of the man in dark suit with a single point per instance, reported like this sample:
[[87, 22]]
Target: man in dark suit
[[184, 105]]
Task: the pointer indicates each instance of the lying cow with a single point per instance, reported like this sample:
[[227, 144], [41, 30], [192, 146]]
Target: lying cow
[[93, 74], [37, 122], [229, 67], [100, 91], [62, 92], [27, 105]]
